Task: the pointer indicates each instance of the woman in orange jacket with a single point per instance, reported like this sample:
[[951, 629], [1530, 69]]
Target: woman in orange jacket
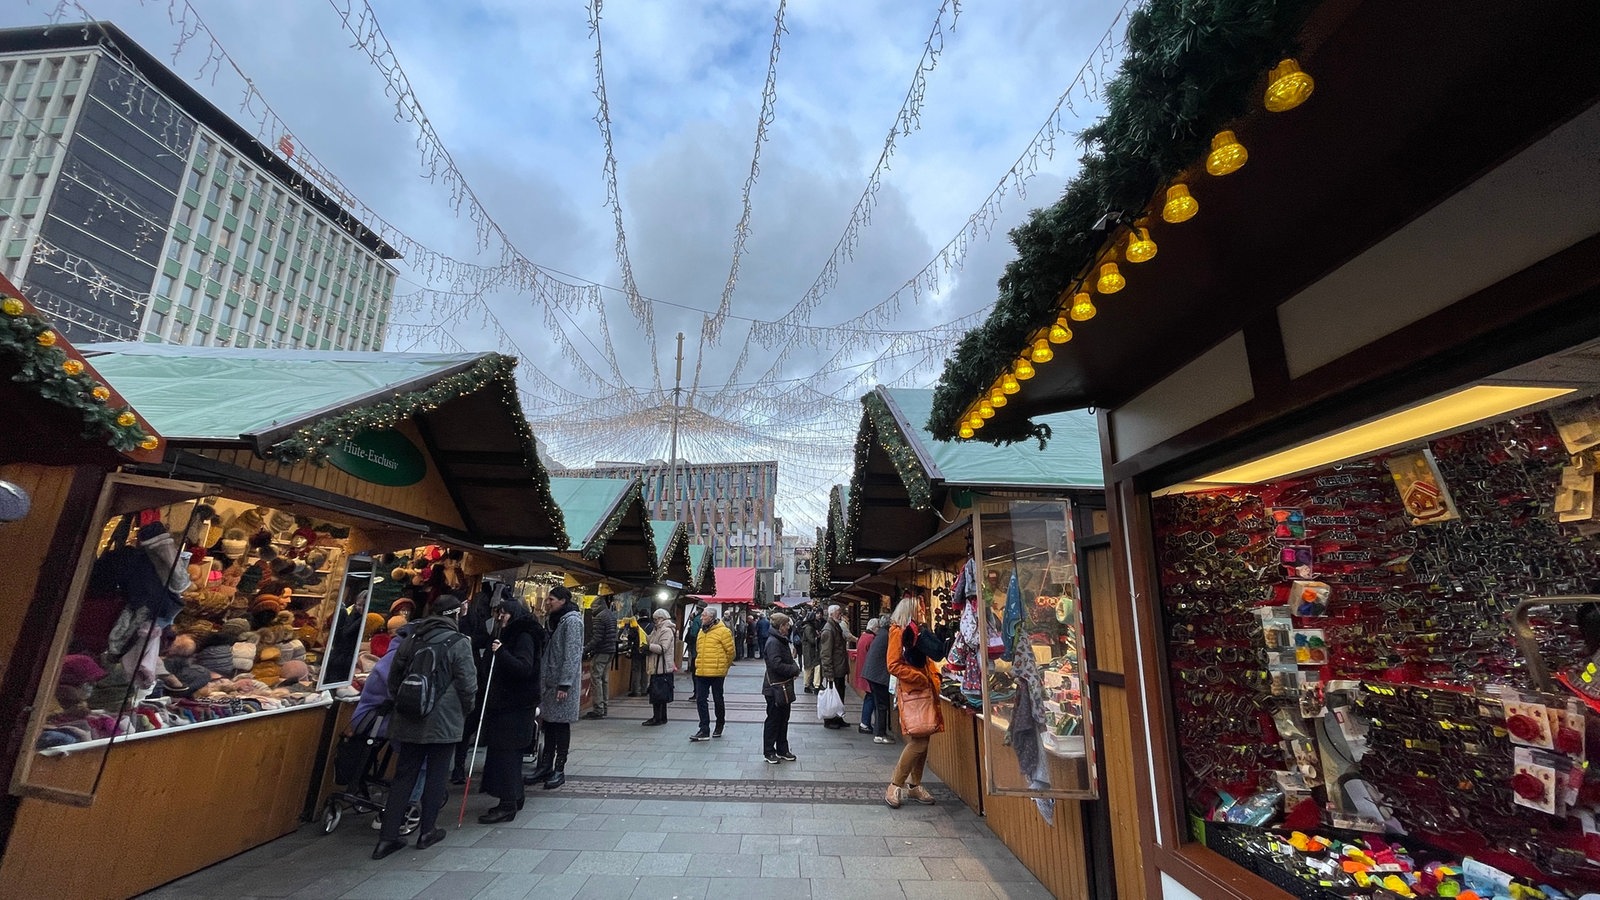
[[903, 632]]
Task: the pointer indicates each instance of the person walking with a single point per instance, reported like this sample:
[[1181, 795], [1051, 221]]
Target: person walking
[[713, 655], [509, 705], [662, 661], [919, 684], [834, 658], [601, 647], [873, 668], [763, 631], [561, 674], [427, 736], [778, 687], [809, 651]]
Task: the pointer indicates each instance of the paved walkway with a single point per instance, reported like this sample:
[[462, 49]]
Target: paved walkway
[[645, 814]]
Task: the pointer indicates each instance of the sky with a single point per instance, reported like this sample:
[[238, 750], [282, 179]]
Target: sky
[[509, 89]]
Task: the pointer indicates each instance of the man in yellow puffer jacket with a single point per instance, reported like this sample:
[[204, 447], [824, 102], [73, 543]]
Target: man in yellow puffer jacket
[[713, 654]]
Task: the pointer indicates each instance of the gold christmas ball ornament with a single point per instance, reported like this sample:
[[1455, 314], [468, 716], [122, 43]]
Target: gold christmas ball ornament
[[127, 420], [72, 367], [11, 306]]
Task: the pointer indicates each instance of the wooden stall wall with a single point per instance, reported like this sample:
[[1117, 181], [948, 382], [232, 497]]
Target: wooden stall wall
[[27, 541], [955, 755], [1116, 732], [167, 806]]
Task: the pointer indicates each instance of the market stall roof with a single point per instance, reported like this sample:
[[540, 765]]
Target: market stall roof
[[48, 391], [736, 585], [606, 518], [1406, 172], [671, 542], [903, 475], [290, 406]]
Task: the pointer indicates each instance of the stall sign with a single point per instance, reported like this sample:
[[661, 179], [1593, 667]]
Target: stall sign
[[381, 457]]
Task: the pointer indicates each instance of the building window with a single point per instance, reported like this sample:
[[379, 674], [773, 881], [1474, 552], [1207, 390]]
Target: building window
[[164, 286], [186, 297]]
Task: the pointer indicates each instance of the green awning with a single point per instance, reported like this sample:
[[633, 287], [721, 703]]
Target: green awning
[[1071, 458], [704, 579], [589, 506], [672, 552]]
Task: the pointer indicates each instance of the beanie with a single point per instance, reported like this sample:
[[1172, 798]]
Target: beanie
[[79, 669]]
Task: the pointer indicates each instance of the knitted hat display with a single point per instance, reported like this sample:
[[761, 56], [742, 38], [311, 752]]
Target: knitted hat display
[[374, 623], [268, 668], [281, 522], [233, 629], [235, 543], [79, 669], [295, 670], [244, 652], [217, 658], [292, 649], [251, 520]]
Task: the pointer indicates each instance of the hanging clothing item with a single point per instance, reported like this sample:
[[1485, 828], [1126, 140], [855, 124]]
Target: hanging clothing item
[[1013, 613]]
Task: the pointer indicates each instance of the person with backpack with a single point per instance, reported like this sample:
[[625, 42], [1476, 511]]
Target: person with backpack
[[431, 687], [561, 675]]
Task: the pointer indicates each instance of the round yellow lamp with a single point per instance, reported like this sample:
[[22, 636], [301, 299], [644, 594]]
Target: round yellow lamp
[[976, 422], [1082, 308], [965, 430], [997, 398], [1041, 352], [985, 410], [1110, 280], [1287, 87], [1059, 332], [1140, 247], [1227, 154], [1180, 206], [1024, 369], [1009, 384]]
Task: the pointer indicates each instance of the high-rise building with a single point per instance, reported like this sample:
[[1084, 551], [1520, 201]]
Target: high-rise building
[[133, 209], [729, 506]]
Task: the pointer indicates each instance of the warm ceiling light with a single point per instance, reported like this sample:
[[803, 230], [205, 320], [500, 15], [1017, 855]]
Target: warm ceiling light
[[1442, 416], [985, 410], [1024, 369], [965, 430], [997, 398], [976, 422], [1288, 87], [1041, 352], [1009, 384], [1180, 206], [1140, 247], [1059, 332], [1227, 154], [1082, 308], [1110, 280]]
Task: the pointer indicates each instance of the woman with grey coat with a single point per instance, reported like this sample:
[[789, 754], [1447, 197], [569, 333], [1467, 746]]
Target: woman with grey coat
[[561, 677]]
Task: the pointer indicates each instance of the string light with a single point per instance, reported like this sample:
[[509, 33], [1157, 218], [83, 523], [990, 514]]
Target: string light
[[1227, 154], [965, 430], [997, 398], [1110, 280], [1288, 87], [1041, 352], [1082, 307], [1008, 383], [1140, 247], [1060, 333], [1180, 206], [1023, 369], [985, 409]]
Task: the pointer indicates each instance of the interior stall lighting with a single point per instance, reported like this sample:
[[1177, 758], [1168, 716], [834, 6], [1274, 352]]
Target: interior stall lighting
[[997, 398], [1287, 87], [1227, 154], [985, 410], [1180, 205], [1447, 414], [1024, 369], [1140, 247], [1110, 280]]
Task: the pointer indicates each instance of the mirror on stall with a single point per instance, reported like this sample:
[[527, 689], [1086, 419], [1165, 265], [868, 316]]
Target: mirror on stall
[[347, 624]]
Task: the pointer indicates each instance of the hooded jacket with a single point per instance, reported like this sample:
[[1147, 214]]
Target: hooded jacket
[[713, 651], [663, 648]]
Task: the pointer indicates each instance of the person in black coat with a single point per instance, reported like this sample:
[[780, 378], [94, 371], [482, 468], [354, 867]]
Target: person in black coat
[[477, 623], [509, 706]]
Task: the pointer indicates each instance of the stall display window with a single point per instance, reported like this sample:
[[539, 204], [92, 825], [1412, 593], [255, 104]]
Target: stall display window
[[1361, 668], [193, 610], [1019, 649]]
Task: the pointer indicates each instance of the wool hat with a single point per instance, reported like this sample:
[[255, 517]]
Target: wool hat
[[269, 667], [79, 669], [295, 670], [374, 625], [445, 604], [404, 605], [244, 652], [281, 522], [233, 629], [267, 603], [235, 543]]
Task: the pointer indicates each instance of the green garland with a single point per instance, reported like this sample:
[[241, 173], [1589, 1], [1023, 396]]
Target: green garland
[[633, 496], [494, 371], [30, 344], [1191, 67], [878, 425], [676, 543], [821, 563]]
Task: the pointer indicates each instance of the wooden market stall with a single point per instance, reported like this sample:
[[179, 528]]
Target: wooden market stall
[[1378, 283], [287, 478]]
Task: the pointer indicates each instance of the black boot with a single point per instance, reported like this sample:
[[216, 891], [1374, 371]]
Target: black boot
[[559, 776], [505, 812], [546, 768]]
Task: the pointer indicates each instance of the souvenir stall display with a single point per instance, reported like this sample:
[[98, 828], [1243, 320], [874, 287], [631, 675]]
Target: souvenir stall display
[[1342, 647]]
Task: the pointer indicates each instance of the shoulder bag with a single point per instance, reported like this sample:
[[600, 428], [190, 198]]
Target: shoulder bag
[[919, 717]]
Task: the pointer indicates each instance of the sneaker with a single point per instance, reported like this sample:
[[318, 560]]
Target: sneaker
[[773, 759], [699, 736], [413, 819], [786, 757], [920, 794], [891, 797], [880, 739], [863, 729]]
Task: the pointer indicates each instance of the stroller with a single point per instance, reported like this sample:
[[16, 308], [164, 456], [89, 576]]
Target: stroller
[[358, 766]]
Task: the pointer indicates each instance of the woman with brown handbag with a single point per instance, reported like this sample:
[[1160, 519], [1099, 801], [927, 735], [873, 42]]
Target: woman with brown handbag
[[918, 699]]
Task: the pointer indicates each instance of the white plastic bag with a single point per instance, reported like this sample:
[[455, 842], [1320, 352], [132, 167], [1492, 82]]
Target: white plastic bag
[[829, 705]]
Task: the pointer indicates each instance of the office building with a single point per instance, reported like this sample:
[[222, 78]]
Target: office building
[[131, 208]]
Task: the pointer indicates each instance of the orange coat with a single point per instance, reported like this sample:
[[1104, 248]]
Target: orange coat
[[926, 677]]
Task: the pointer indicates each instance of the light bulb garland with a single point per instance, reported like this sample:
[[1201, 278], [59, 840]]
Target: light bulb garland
[[1082, 307], [1181, 206], [1060, 332], [1110, 280], [1227, 154], [1141, 248], [1287, 87], [997, 398], [1009, 383], [1041, 353]]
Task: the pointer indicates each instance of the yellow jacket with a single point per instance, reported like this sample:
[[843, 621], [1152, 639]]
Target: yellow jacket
[[713, 651]]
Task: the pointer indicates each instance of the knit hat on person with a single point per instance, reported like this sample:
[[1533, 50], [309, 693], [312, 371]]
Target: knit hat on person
[[79, 669], [445, 604]]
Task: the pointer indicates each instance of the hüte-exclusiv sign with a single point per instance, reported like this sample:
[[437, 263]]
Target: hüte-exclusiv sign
[[381, 457]]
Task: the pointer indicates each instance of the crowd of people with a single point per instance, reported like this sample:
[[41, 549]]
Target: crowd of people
[[491, 673]]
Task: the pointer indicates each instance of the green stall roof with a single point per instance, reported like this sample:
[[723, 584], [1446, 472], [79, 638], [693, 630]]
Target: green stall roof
[[588, 505], [1071, 458]]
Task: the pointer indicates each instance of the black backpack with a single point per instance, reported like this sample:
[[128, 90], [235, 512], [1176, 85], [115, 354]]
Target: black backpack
[[427, 673]]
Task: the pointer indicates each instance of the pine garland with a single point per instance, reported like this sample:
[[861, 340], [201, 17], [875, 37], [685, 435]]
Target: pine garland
[[632, 497], [821, 563], [878, 426], [1190, 68], [39, 354]]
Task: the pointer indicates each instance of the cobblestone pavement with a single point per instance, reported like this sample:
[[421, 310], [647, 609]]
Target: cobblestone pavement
[[646, 815]]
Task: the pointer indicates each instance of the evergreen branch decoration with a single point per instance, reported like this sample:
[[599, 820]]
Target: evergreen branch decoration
[[1190, 69], [633, 496], [32, 347], [493, 372], [821, 563], [919, 488]]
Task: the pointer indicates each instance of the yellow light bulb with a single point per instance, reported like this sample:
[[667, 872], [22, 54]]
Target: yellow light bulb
[[965, 430], [1082, 308], [985, 410], [1059, 332], [997, 398], [1180, 206], [1024, 369], [1008, 383], [1227, 154], [1140, 247], [976, 422], [1041, 352], [1110, 280], [1289, 87]]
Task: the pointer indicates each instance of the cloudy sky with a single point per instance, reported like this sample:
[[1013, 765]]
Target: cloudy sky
[[509, 88]]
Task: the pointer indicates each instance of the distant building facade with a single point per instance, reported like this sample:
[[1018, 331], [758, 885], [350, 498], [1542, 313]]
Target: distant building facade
[[133, 209]]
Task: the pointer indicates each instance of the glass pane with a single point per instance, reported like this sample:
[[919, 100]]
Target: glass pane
[[345, 630], [1038, 730]]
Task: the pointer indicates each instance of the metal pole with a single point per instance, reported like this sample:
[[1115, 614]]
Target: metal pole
[[677, 392]]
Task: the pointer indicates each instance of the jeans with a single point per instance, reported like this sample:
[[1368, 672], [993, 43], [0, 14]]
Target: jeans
[[868, 703], [406, 769], [883, 706], [775, 733], [600, 680], [712, 685]]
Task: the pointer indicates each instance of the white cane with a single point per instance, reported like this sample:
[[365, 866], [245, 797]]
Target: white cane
[[477, 738]]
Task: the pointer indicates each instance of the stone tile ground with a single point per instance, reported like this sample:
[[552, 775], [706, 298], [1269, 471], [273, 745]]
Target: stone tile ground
[[646, 814]]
